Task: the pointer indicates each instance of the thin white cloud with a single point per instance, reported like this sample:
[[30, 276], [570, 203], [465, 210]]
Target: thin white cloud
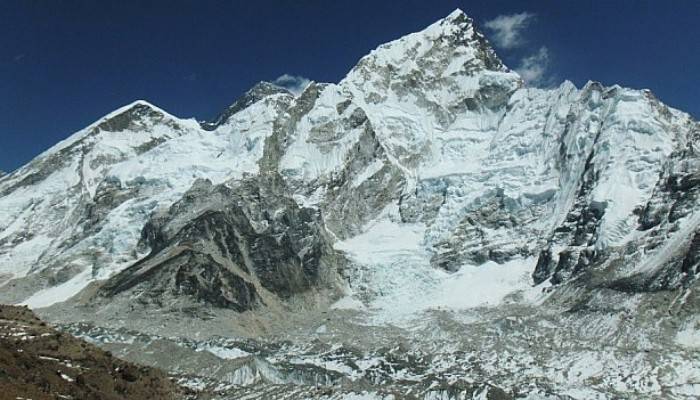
[[19, 57], [294, 83], [507, 29], [533, 68]]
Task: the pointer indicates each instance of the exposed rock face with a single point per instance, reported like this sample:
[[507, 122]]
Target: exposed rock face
[[238, 245]]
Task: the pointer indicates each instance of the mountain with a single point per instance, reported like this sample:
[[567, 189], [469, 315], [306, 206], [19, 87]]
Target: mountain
[[427, 187]]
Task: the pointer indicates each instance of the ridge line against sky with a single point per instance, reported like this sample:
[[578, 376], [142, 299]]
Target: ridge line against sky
[[64, 64]]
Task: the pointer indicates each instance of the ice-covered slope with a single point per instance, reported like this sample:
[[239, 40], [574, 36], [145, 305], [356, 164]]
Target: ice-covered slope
[[75, 213], [430, 134]]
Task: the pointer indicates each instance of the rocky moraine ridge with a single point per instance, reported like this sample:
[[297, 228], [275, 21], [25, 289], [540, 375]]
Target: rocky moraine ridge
[[427, 228]]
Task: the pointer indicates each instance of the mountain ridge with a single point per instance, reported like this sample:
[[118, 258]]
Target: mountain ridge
[[450, 52], [427, 190]]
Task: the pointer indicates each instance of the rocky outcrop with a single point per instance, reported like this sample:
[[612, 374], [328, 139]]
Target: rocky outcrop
[[237, 245]]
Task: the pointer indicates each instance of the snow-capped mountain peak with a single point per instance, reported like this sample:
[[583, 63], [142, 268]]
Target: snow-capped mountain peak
[[425, 195], [428, 134], [447, 48], [258, 92]]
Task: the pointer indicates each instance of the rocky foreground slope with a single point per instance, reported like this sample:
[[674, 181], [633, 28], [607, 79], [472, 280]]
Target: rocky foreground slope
[[38, 362], [540, 242]]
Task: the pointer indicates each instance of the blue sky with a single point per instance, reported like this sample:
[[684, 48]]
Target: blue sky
[[64, 64]]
